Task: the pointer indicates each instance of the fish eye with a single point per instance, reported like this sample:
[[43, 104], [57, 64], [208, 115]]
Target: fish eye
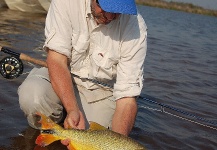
[[47, 131]]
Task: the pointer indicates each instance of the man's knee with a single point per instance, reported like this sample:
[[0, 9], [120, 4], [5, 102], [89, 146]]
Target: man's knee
[[31, 93]]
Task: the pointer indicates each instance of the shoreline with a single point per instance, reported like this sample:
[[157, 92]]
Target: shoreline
[[179, 6]]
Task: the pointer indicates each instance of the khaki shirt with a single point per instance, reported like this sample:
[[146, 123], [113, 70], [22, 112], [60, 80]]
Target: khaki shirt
[[112, 53]]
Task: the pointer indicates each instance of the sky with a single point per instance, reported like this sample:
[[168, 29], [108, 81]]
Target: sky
[[207, 4]]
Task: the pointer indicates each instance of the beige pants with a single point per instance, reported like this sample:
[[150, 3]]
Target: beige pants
[[37, 95]]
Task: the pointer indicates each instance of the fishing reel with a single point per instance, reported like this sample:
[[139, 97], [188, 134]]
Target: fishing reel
[[11, 67]]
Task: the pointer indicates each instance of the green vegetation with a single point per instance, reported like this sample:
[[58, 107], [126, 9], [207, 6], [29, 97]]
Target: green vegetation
[[178, 6]]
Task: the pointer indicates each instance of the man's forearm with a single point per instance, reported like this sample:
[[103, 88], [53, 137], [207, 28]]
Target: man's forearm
[[61, 80], [125, 115]]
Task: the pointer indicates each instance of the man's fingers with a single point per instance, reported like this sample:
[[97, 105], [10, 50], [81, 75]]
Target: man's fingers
[[69, 124], [66, 126], [81, 124], [65, 142]]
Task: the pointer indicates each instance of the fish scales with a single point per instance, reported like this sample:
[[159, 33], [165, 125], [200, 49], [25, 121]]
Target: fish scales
[[96, 138]]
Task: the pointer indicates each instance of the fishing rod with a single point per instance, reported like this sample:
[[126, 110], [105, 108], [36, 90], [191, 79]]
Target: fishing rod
[[12, 67]]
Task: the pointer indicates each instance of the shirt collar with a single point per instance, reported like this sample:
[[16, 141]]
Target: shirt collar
[[88, 8]]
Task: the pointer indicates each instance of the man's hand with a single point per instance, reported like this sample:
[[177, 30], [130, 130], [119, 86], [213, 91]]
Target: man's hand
[[74, 119]]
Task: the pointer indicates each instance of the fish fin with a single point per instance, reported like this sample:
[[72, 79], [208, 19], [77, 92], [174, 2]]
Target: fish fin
[[71, 147], [47, 123], [45, 139], [96, 126]]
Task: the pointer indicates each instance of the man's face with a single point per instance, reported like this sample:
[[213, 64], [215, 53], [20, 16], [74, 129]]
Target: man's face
[[100, 16]]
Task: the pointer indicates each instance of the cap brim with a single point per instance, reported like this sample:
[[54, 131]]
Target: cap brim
[[119, 6]]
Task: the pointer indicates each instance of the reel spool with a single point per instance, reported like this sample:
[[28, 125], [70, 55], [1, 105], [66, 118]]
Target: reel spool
[[11, 67]]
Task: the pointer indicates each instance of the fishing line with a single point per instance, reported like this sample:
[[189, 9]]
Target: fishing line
[[11, 67], [163, 106]]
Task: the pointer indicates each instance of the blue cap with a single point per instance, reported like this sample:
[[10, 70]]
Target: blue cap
[[119, 6]]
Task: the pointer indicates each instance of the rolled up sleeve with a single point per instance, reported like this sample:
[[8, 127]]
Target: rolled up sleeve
[[58, 29], [129, 81]]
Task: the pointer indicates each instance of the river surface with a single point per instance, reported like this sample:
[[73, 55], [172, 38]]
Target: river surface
[[180, 72]]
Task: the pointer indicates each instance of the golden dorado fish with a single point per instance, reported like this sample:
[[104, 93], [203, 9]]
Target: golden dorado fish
[[96, 137]]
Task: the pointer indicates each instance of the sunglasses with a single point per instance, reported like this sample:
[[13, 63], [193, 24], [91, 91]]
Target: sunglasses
[[97, 1], [103, 16]]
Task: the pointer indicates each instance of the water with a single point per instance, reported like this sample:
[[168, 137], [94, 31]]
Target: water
[[180, 71]]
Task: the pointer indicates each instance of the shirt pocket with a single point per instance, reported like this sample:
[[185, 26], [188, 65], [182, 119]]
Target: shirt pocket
[[79, 52], [103, 64]]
